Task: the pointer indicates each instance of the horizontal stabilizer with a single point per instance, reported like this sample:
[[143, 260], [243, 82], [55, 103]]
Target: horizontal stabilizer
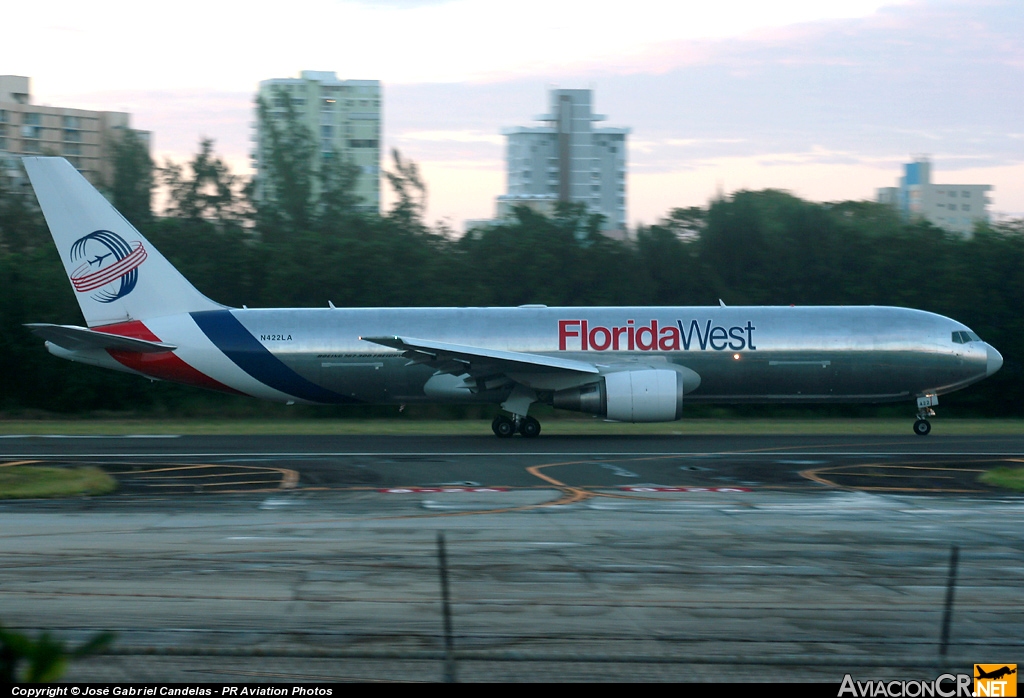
[[429, 351], [77, 338]]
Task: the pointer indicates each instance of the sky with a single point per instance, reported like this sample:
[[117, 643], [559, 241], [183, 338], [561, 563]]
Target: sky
[[823, 99]]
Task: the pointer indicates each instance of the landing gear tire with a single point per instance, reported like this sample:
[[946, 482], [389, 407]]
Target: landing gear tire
[[529, 427], [922, 427], [503, 427]]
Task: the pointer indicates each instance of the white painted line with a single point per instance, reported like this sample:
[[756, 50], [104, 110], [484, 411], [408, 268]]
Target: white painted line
[[90, 436], [532, 454], [152, 436], [662, 488], [280, 502], [617, 470], [417, 490]]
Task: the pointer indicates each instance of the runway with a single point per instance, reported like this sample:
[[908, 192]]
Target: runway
[[163, 465], [571, 558]]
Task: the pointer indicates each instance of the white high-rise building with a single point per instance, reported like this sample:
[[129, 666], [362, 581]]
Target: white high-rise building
[[568, 159], [955, 207], [344, 117]]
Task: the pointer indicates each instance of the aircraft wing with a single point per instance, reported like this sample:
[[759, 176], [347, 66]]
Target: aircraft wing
[[75, 338], [458, 358]]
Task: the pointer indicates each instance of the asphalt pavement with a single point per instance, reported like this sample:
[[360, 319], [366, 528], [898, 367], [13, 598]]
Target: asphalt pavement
[[570, 558]]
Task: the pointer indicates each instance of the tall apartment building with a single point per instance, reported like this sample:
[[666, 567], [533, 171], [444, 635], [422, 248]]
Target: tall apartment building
[[344, 117], [86, 138], [568, 159], [955, 207]]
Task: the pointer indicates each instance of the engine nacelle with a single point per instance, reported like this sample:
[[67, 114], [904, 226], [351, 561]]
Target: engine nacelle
[[646, 395]]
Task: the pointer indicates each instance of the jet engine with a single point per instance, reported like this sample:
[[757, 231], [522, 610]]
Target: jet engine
[[646, 395]]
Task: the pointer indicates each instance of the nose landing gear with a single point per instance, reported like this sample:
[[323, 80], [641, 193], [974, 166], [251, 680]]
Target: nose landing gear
[[922, 427]]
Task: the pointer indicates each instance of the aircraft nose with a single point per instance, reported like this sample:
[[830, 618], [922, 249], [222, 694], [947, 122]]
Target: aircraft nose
[[995, 360]]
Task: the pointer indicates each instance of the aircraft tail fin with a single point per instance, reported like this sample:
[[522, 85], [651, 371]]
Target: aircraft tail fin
[[116, 273]]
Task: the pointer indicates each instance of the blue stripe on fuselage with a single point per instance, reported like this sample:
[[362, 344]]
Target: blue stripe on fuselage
[[238, 344]]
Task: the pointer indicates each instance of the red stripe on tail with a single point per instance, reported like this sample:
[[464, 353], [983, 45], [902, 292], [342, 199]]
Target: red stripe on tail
[[164, 365]]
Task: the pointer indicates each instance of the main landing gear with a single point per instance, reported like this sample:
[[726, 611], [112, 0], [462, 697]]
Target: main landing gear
[[922, 427], [518, 403], [505, 427]]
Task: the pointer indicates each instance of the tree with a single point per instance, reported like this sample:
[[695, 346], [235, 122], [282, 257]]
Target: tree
[[284, 191], [405, 179], [132, 188], [686, 223], [209, 192], [337, 200], [207, 226], [21, 222], [46, 657]]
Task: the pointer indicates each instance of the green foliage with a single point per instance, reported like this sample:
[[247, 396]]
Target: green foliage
[[206, 192], [298, 193], [1006, 478], [337, 201], [33, 482], [21, 222], [46, 657], [409, 188], [305, 243], [285, 194], [131, 191], [562, 260]]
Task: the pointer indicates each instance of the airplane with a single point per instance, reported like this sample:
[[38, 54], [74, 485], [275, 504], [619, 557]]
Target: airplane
[[994, 674], [627, 364]]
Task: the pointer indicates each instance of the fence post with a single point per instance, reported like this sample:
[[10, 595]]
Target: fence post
[[449, 645], [954, 557]]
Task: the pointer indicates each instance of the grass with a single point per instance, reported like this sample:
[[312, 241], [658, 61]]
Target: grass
[[1007, 478], [463, 427], [32, 482]]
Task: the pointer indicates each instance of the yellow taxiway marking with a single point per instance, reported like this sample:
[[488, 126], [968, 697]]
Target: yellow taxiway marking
[[198, 466], [191, 477], [934, 477], [570, 495], [19, 462], [289, 477], [290, 480], [913, 489], [821, 475], [211, 484], [922, 467], [576, 494]]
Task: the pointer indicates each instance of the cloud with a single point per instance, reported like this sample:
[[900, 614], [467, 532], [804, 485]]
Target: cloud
[[711, 91], [234, 44], [692, 142]]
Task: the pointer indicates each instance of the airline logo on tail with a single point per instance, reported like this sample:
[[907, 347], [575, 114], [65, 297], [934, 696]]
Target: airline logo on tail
[[109, 265]]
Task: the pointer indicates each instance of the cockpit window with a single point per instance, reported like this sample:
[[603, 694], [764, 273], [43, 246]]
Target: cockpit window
[[963, 337]]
